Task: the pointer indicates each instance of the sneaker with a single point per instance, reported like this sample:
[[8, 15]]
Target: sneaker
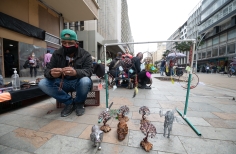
[[79, 110], [67, 110]]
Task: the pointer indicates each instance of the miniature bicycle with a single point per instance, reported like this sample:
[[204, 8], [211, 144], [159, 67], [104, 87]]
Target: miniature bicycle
[[183, 80]]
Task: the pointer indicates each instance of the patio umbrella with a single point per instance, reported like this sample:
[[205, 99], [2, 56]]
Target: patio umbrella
[[233, 63], [174, 55]]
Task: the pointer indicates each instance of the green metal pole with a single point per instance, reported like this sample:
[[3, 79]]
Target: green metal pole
[[187, 95], [189, 123], [106, 79]]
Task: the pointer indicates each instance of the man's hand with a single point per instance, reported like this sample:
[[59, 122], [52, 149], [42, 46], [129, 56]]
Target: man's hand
[[70, 71], [56, 72]]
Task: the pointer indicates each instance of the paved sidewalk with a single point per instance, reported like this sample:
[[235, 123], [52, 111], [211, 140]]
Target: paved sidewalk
[[211, 110]]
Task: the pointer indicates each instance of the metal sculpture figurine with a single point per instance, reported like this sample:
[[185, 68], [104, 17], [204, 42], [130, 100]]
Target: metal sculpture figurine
[[169, 119], [144, 110], [96, 136], [105, 115], [124, 110], [150, 131]]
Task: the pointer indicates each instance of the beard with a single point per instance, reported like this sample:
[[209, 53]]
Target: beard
[[70, 50]]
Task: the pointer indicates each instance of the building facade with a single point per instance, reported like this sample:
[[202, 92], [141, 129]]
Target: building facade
[[157, 55], [218, 29], [112, 27], [33, 26]]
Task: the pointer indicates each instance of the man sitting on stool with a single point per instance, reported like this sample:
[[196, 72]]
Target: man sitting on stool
[[74, 64]]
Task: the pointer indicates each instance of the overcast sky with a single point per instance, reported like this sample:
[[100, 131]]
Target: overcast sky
[[157, 20]]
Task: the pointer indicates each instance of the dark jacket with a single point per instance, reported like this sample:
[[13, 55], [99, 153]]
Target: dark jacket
[[113, 62], [82, 64], [136, 64]]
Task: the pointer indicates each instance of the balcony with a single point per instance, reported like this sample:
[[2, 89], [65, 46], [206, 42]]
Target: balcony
[[76, 10]]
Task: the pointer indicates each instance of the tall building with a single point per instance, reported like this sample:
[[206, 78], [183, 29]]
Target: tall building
[[175, 36], [218, 30], [193, 21], [29, 26], [112, 27], [157, 55], [126, 34]]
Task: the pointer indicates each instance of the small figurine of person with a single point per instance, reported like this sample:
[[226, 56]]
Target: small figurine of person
[[34, 64]]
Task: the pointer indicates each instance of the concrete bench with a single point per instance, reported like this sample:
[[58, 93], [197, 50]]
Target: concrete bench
[[93, 98]]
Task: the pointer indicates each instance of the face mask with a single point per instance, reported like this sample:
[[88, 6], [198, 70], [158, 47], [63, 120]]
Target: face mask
[[70, 50]]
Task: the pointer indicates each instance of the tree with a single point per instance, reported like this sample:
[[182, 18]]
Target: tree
[[166, 53], [150, 131], [105, 115]]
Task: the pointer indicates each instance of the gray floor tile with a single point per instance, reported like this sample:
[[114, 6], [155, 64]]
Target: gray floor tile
[[198, 121], [118, 149], [203, 107], [28, 122], [217, 133], [200, 114], [13, 151], [25, 139], [6, 129], [226, 108], [67, 145], [159, 142], [205, 146], [2, 147]]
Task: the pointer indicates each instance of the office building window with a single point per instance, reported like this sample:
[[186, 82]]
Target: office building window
[[199, 55], [231, 48], [209, 43], [222, 50], [232, 34], [65, 26], [203, 55], [223, 37], [215, 52], [208, 54], [215, 40]]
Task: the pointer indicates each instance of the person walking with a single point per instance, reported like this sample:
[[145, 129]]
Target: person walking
[[8, 62], [34, 64], [47, 58], [162, 67], [70, 69]]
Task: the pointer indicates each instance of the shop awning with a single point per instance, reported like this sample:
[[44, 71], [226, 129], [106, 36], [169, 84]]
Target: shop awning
[[74, 10]]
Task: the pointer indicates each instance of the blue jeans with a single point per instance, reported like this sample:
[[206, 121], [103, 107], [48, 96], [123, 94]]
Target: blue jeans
[[162, 70], [81, 86]]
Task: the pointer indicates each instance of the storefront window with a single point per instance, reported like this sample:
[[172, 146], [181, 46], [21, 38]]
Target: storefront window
[[215, 52], [222, 50], [203, 55], [208, 54], [231, 48], [25, 50]]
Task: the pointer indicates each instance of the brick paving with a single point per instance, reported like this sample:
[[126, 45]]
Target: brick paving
[[211, 110]]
